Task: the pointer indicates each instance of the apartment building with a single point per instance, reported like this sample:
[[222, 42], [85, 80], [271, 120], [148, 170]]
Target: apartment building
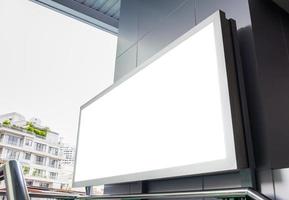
[[36, 147], [67, 164], [68, 153]]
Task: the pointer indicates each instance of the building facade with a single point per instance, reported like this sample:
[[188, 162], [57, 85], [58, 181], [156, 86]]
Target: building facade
[[67, 165], [68, 154], [35, 147]]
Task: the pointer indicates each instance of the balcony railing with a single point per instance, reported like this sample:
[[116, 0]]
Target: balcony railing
[[53, 177], [41, 149], [13, 143], [39, 175], [39, 162], [53, 166]]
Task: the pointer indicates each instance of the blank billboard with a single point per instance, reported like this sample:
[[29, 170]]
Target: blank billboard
[[173, 116]]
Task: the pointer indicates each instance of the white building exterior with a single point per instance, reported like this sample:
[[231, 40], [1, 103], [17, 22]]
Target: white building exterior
[[68, 154], [40, 156], [67, 164]]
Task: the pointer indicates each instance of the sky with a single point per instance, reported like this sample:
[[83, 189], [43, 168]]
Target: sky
[[51, 64]]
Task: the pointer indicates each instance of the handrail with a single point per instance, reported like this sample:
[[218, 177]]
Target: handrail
[[53, 196], [16, 189], [228, 193], [224, 193], [15, 183], [48, 195]]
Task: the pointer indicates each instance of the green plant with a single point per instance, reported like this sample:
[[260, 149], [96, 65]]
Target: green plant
[[31, 128], [7, 122], [25, 170]]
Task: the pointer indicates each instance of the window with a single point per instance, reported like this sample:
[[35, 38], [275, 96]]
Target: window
[[39, 160], [11, 154], [13, 140], [28, 142], [26, 170], [68, 156], [45, 185], [40, 147], [53, 150], [39, 173], [29, 183], [27, 156], [53, 175], [53, 163]]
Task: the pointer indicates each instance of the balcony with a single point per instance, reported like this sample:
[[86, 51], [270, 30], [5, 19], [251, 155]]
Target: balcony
[[12, 143], [39, 174], [40, 149], [53, 166], [37, 162], [53, 177]]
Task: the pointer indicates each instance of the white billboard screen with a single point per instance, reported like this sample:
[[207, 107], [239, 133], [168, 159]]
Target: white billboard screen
[[170, 118]]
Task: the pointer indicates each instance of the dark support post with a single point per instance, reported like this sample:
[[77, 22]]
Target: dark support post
[[15, 183], [89, 190]]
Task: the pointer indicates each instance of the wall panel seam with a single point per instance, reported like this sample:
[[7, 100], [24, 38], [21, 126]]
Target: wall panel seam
[[164, 18]]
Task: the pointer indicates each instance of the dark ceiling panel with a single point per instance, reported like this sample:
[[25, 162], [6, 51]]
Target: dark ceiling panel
[[108, 7], [103, 14]]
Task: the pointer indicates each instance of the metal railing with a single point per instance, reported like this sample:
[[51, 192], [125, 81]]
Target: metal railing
[[41, 195], [50, 196], [225, 193], [16, 190]]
